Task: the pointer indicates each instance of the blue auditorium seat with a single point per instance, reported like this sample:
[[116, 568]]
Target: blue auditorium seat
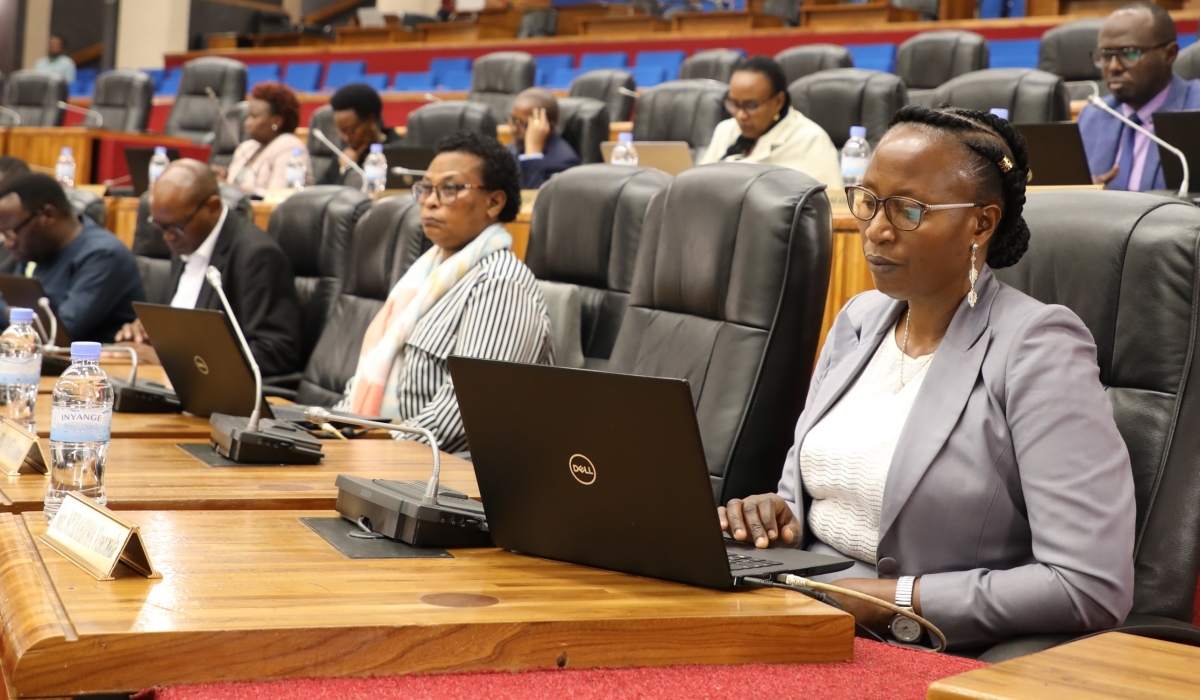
[[880, 57], [260, 73], [592, 61], [85, 81], [169, 87], [414, 82], [669, 60], [379, 81], [156, 74], [342, 73], [1014, 53], [554, 61], [437, 66], [648, 76], [303, 76], [561, 78], [454, 80]]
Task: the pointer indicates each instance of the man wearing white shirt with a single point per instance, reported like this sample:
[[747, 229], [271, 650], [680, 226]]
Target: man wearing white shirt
[[186, 206], [56, 60]]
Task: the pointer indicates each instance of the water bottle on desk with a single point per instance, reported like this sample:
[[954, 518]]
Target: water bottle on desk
[[64, 169], [624, 153], [855, 156], [158, 163], [376, 168], [297, 171], [80, 428], [20, 369]]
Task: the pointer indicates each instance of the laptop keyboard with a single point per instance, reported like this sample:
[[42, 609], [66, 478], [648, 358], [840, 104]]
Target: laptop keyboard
[[741, 562]]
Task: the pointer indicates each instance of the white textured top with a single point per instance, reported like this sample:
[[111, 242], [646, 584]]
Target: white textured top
[[845, 457]]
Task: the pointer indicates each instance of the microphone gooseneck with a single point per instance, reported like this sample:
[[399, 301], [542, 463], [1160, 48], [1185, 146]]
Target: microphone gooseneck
[[341, 154], [44, 303], [213, 275], [12, 113], [229, 128], [317, 415], [84, 111], [1098, 103]]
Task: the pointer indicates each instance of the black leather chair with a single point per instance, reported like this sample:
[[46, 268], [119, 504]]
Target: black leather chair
[[606, 85], [385, 243], [84, 202], [583, 122], [1187, 64], [844, 97], [729, 293], [585, 229], [788, 10], [34, 95], [714, 65], [314, 227], [1030, 96], [498, 78], [1066, 51], [124, 99], [194, 115], [318, 153], [429, 124], [931, 58], [230, 132], [1127, 264], [806, 59], [681, 110], [541, 22]]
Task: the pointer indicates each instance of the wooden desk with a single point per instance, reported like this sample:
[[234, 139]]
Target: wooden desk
[[853, 15], [724, 22], [571, 17], [613, 25], [450, 32], [1093, 8], [257, 595], [357, 36], [41, 146], [173, 426], [1112, 665], [284, 39], [158, 475]]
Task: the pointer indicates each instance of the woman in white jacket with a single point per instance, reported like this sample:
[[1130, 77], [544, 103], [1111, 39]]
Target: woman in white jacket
[[765, 128]]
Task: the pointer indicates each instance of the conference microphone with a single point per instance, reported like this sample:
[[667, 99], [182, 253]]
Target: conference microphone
[[131, 397], [244, 440], [420, 515], [340, 154], [229, 127], [12, 113], [627, 92], [84, 111], [53, 365], [1098, 103], [430, 97]]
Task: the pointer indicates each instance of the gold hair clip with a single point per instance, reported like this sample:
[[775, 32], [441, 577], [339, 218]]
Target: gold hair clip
[[1006, 164]]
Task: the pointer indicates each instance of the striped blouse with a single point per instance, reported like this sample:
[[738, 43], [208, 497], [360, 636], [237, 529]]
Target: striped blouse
[[495, 312]]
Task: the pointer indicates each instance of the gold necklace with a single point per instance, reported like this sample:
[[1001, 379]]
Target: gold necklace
[[904, 349]]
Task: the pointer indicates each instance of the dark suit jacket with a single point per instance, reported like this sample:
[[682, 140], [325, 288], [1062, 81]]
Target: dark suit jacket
[[261, 287], [557, 156]]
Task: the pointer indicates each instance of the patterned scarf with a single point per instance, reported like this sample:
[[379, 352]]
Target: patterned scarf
[[427, 281]]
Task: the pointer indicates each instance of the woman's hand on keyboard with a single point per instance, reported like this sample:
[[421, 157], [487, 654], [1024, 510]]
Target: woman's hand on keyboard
[[764, 519]]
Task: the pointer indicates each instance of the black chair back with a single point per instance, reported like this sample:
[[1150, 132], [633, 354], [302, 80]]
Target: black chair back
[[806, 59], [1066, 50], [542, 22], [124, 99], [788, 10], [34, 95], [711, 65], [194, 115], [318, 153], [429, 124], [498, 78], [1030, 96], [1187, 64], [844, 97], [584, 122], [931, 58], [608, 86], [681, 110]]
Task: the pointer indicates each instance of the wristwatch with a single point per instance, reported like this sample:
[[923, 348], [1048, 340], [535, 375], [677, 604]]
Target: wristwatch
[[905, 629]]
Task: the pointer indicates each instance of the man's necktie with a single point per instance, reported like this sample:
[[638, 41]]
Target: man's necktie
[[1121, 182]]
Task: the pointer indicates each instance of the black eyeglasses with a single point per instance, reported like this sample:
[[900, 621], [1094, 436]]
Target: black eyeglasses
[[1126, 55], [749, 107], [13, 231], [447, 192], [178, 228], [903, 213]]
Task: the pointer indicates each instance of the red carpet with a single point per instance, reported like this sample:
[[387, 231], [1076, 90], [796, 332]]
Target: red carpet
[[878, 671]]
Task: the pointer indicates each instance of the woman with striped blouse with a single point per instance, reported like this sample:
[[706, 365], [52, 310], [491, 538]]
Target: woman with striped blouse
[[468, 295]]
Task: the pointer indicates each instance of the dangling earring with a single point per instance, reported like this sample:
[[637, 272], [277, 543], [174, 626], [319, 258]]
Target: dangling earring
[[973, 275]]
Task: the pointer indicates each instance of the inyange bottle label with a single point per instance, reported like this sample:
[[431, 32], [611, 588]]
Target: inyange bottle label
[[21, 371], [80, 424]]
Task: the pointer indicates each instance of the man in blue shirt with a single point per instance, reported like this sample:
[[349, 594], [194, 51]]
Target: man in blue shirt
[[57, 61], [540, 151], [90, 277]]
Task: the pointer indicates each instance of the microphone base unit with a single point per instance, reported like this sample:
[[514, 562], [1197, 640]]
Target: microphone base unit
[[143, 398], [396, 510], [274, 442]]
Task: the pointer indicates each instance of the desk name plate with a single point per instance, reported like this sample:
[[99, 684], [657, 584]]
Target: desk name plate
[[96, 539], [20, 451]]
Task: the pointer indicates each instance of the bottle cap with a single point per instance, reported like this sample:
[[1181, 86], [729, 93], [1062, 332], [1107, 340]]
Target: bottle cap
[[999, 112], [858, 132], [18, 315], [160, 150], [66, 151], [297, 152], [84, 350], [625, 137], [377, 148]]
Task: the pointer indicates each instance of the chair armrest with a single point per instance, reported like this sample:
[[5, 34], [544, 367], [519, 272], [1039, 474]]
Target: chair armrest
[[1164, 628]]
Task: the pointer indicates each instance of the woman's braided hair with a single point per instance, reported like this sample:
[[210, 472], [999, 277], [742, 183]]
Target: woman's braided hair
[[1001, 166]]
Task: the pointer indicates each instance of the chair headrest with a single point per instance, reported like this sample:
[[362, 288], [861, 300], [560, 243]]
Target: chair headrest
[[714, 65], [584, 123], [807, 59], [507, 72], [1030, 96], [35, 88], [121, 88], [844, 97], [931, 58], [314, 227], [433, 122], [323, 119], [1066, 50], [386, 241], [225, 76], [680, 110]]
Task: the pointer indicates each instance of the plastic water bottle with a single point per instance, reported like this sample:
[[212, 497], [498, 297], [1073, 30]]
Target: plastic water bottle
[[158, 163], [297, 171], [624, 152], [80, 427], [376, 168], [64, 169], [20, 369], [855, 156], [1000, 112]]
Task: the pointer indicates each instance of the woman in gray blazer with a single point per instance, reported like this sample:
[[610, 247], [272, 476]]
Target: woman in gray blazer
[[956, 440]]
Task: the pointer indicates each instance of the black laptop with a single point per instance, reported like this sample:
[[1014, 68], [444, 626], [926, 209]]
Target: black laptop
[[1056, 155], [605, 470], [1181, 129], [138, 161], [26, 292]]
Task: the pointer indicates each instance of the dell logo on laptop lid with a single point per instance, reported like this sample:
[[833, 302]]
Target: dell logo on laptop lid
[[582, 469], [201, 365]]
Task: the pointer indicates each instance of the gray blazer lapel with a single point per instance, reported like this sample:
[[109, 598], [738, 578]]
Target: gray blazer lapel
[[943, 396]]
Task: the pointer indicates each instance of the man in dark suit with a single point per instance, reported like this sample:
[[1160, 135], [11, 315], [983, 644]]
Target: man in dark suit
[[540, 151], [201, 231]]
